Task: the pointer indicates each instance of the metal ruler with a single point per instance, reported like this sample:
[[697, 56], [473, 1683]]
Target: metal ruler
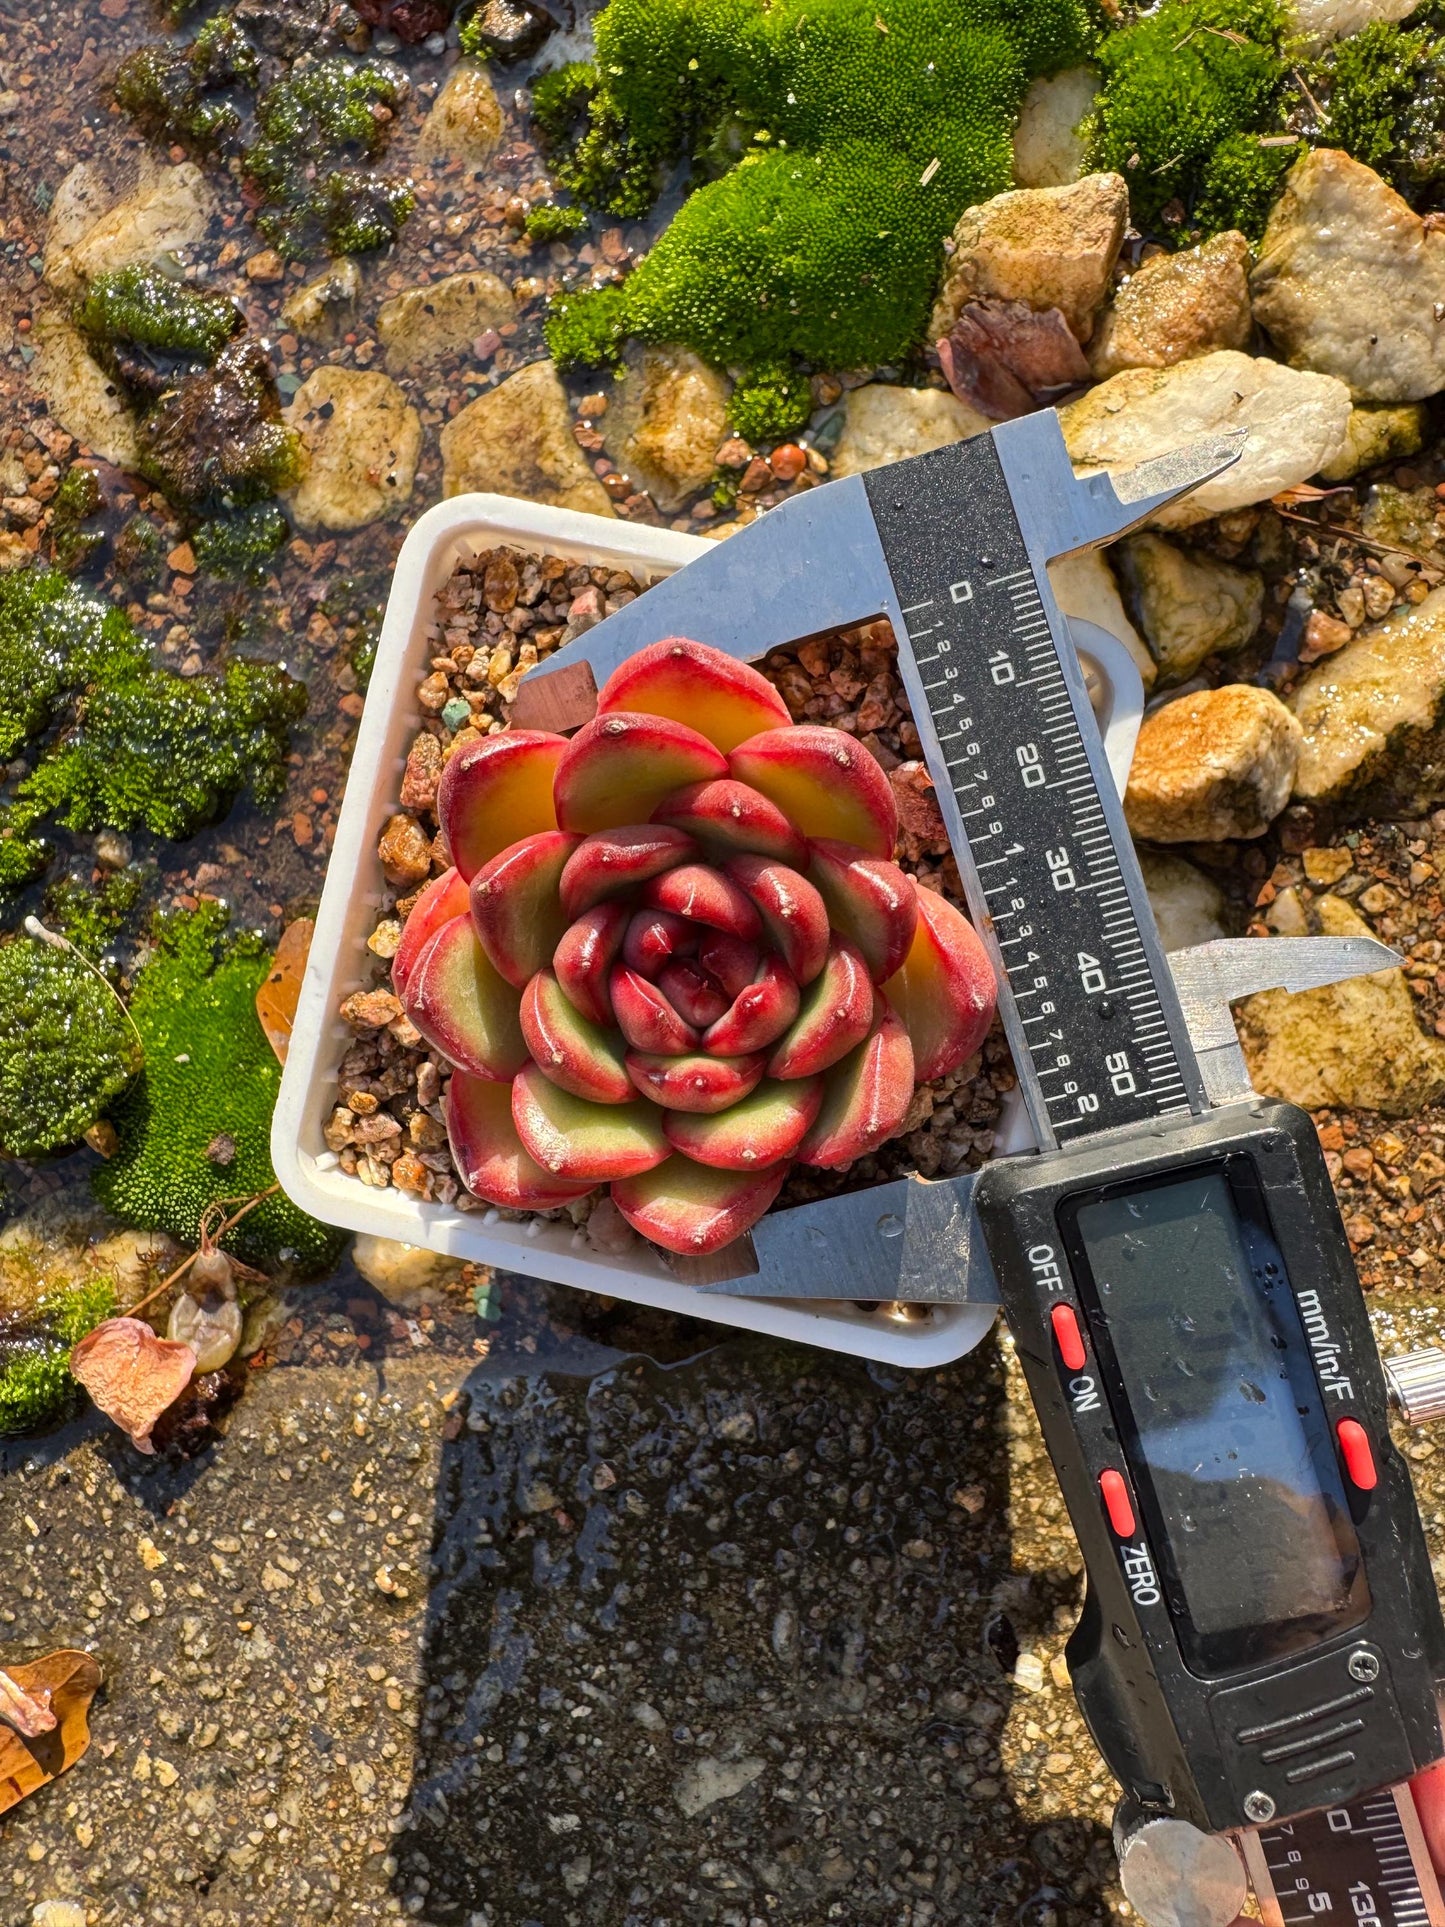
[[1363, 1864]]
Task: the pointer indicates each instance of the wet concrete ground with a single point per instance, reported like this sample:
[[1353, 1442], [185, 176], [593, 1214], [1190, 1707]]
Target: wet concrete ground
[[629, 1623]]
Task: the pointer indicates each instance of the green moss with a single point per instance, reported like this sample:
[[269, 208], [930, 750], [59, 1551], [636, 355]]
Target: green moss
[[823, 240], [549, 222], [218, 436], [168, 752], [312, 127], [76, 500], [770, 403], [1178, 83], [140, 552], [66, 1049], [92, 915], [1382, 92], [140, 305], [143, 746], [1241, 183], [587, 329], [209, 1073], [36, 1388], [180, 93], [240, 545]]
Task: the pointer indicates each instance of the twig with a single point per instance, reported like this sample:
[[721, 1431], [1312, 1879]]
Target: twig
[[208, 1239], [1299, 80], [1363, 541]]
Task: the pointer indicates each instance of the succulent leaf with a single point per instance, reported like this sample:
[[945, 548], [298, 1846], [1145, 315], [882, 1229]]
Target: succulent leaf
[[490, 1156], [768, 1124], [615, 861], [516, 912], [443, 898], [617, 769], [724, 699], [729, 819], [865, 1099], [824, 782], [569, 1049], [573, 1138], [836, 1013], [693, 1209], [496, 791], [945, 990], [463, 1007]]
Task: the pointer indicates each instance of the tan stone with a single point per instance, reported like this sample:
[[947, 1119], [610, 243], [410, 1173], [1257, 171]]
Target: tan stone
[[1378, 432], [466, 121], [1176, 306], [1296, 423], [362, 439], [1188, 906], [427, 324], [883, 424], [665, 422], [1321, 20], [517, 440], [1084, 586], [1213, 765], [1351, 282], [1053, 247], [169, 209], [1049, 145], [324, 309], [1356, 1044], [1369, 712], [79, 393], [1188, 604]]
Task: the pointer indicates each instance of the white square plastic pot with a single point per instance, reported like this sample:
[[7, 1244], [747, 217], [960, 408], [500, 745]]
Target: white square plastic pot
[[353, 898]]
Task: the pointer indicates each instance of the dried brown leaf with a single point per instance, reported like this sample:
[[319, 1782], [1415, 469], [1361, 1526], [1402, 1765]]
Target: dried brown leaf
[[1006, 359], [67, 1680], [280, 990], [131, 1374]]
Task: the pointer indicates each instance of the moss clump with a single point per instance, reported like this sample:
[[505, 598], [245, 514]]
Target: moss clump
[[239, 546], [1178, 83], [143, 746], [312, 128], [92, 915], [1369, 82], [141, 306], [77, 499], [36, 1388], [587, 329], [218, 435], [66, 1049], [549, 222], [209, 1074], [140, 552], [823, 240], [182, 93], [770, 403], [1241, 183]]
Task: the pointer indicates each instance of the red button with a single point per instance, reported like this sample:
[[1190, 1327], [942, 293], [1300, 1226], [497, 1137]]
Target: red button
[[1355, 1451], [1068, 1337], [1115, 1495]]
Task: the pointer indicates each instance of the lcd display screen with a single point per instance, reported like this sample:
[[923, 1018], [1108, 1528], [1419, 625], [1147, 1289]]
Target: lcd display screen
[[1229, 1444]]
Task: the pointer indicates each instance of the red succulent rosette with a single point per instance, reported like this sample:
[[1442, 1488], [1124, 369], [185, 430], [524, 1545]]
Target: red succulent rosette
[[675, 956]]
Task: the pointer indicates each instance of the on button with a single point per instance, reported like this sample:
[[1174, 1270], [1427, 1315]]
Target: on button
[[1355, 1451]]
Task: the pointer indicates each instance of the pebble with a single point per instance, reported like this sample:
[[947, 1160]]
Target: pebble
[[665, 421], [431, 323], [883, 424], [362, 439], [1213, 765], [1049, 144], [1177, 306], [1188, 604], [517, 440]]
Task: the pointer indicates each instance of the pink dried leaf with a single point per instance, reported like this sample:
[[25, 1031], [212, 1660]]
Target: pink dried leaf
[[1005, 358], [132, 1375]]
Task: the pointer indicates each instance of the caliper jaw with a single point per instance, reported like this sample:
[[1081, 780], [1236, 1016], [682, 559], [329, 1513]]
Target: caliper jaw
[[918, 1240]]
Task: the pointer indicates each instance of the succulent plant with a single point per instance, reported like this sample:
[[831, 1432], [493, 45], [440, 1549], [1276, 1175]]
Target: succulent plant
[[675, 955]]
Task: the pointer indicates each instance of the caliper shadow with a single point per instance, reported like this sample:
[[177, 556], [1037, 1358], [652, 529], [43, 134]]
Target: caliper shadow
[[731, 1640]]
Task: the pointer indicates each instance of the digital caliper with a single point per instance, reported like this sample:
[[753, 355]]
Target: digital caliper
[[1260, 1638]]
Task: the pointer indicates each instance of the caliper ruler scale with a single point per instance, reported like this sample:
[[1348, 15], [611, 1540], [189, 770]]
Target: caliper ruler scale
[[1233, 1662]]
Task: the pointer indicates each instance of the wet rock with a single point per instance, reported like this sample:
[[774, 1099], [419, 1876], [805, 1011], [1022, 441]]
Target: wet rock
[[325, 308], [883, 424], [169, 209], [510, 29], [401, 1272], [1188, 907], [362, 439], [1296, 424], [220, 432], [1053, 247], [518, 440], [1188, 605], [1371, 714], [1356, 1043], [79, 393], [1378, 432], [665, 422], [1177, 306], [1350, 281], [1084, 586], [1048, 145], [466, 121], [427, 324], [1213, 765], [1403, 518], [1322, 20]]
